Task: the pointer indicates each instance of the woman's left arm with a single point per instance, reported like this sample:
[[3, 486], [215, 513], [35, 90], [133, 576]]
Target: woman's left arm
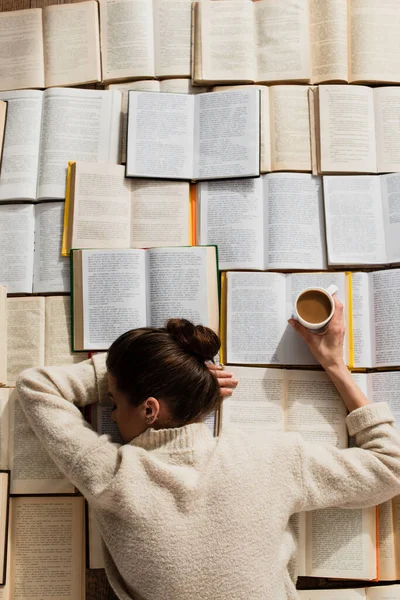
[[49, 396]]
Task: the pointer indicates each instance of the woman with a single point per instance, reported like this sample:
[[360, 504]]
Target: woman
[[186, 516]]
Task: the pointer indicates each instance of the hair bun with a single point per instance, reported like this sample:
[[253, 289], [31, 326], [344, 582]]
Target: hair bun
[[197, 340]]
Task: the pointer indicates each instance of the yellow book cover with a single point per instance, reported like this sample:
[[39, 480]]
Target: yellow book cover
[[192, 215], [64, 243], [222, 320]]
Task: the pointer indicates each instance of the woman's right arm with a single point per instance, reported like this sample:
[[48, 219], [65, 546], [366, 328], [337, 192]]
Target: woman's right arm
[[356, 477]]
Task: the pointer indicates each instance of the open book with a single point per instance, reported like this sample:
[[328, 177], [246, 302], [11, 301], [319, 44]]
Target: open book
[[376, 319], [384, 592], [21, 451], [191, 137], [285, 126], [118, 290], [57, 125], [331, 542], [273, 222], [296, 40], [258, 306], [39, 334], [145, 38], [57, 45], [106, 210], [362, 219], [46, 552], [357, 129], [30, 241], [174, 86]]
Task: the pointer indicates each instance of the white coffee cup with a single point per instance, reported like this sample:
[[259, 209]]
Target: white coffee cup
[[332, 289]]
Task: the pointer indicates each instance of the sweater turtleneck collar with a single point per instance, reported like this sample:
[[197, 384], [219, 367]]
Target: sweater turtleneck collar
[[176, 439]]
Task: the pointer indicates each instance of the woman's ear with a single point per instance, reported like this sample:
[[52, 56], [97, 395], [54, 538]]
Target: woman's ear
[[152, 410]]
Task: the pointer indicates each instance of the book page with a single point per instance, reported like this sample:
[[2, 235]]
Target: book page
[[101, 206], [355, 232], [181, 86], [290, 128], [127, 39], [3, 335], [71, 44], [21, 49], [19, 166], [51, 270], [329, 45], [25, 335], [230, 215], [347, 129], [160, 135], [390, 189], [105, 425], [314, 408], [114, 295], [178, 286], [172, 37], [83, 124], [387, 542], [362, 321], [159, 214], [227, 134], [294, 232], [255, 317], [282, 40], [32, 470], [294, 350], [374, 40], [341, 543], [17, 228], [58, 349], [386, 317], [387, 126], [227, 41], [47, 548], [384, 592], [385, 388], [4, 427], [257, 402], [148, 85]]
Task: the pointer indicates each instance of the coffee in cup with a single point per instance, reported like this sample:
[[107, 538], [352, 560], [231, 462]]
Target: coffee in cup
[[315, 307]]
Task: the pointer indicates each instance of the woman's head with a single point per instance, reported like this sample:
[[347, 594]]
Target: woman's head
[[159, 378]]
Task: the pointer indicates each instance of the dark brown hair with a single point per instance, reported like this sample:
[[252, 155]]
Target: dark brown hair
[[168, 363]]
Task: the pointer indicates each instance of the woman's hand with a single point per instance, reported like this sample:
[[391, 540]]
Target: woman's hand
[[226, 382], [327, 347]]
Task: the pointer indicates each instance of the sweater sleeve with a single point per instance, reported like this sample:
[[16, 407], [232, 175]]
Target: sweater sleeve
[[48, 396], [355, 477]]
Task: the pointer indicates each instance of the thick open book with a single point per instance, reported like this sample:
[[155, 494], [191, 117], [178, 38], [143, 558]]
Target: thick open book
[[376, 319], [384, 592], [54, 46], [30, 241], [296, 40], [57, 125], [174, 86], [21, 451], [39, 334], [362, 215], [357, 129], [118, 290], [46, 551], [273, 222], [255, 310], [141, 39], [192, 137], [331, 542], [285, 126], [107, 210]]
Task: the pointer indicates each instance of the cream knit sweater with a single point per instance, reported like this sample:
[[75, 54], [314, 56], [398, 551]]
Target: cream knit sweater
[[185, 516]]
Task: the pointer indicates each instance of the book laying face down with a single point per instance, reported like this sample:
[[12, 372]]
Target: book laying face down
[[118, 290]]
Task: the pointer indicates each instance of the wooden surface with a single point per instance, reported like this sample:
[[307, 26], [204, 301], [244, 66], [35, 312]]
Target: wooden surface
[[97, 586]]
